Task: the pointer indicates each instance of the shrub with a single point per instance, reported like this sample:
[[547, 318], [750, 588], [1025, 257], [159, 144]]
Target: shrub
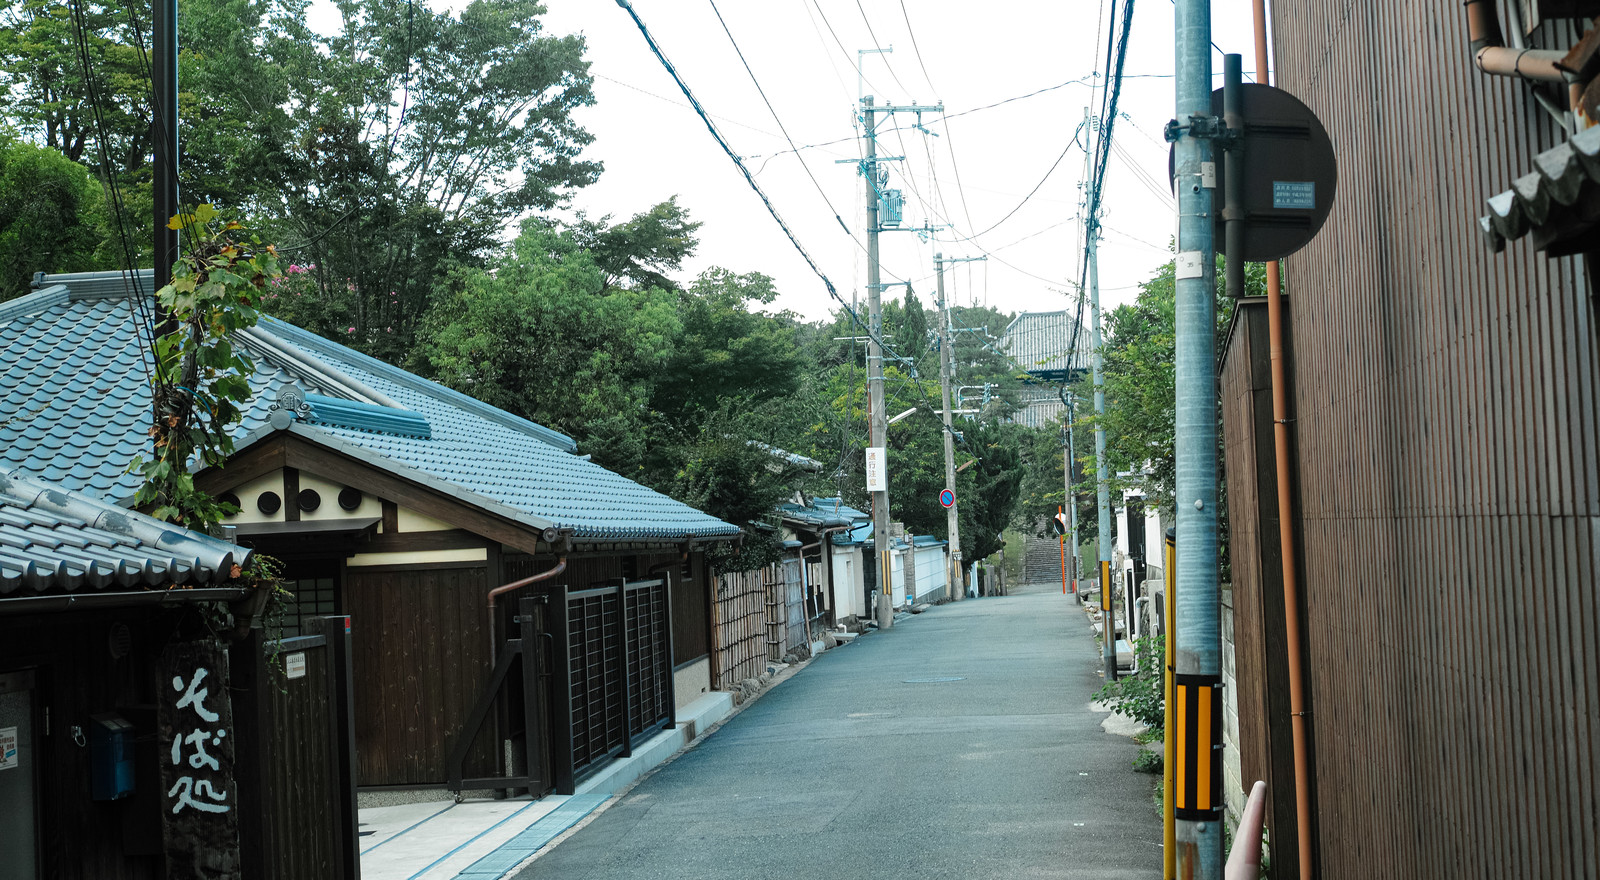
[[1142, 694]]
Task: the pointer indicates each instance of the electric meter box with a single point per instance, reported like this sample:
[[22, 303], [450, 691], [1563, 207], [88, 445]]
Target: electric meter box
[[110, 757]]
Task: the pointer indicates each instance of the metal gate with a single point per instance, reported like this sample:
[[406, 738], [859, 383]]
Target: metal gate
[[596, 676], [618, 643]]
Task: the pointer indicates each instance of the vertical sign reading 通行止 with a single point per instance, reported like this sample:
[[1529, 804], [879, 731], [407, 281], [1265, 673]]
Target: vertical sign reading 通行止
[[199, 816]]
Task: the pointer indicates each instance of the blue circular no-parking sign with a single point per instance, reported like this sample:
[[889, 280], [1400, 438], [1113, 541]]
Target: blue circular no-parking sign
[[947, 499]]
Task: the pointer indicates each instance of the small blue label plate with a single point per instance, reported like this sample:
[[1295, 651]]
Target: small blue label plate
[[1294, 195]]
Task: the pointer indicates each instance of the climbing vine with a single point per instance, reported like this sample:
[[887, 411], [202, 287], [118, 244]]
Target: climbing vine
[[201, 378]]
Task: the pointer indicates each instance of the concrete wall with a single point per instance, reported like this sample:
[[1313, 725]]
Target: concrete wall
[[933, 574], [691, 682]]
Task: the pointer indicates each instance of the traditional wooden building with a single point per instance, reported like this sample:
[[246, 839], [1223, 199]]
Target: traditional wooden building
[[1444, 390], [142, 726], [422, 514]]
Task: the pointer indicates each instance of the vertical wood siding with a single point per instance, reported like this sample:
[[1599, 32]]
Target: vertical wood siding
[[1446, 424], [421, 658]]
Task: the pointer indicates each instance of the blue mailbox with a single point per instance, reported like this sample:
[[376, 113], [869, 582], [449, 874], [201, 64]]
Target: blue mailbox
[[110, 757]]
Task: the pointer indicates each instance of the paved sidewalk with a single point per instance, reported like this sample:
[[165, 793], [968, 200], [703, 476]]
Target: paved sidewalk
[[485, 839]]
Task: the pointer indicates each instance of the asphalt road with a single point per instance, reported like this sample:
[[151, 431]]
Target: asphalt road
[[860, 766]]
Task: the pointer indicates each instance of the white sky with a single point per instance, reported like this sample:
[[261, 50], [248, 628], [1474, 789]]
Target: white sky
[[654, 146]]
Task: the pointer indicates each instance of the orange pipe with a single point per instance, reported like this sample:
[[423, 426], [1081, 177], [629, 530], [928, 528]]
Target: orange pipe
[[494, 643], [1291, 602]]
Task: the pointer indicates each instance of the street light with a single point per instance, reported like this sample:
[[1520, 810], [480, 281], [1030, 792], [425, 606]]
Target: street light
[[902, 415]]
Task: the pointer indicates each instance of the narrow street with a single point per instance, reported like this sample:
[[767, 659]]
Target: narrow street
[[961, 744]]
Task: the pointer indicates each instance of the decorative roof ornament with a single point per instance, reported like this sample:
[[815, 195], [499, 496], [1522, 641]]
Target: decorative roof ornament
[[289, 406]]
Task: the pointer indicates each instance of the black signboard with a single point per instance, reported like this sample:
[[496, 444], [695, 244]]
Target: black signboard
[[199, 815], [1290, 173]]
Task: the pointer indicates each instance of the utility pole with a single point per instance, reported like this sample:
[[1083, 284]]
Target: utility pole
[[1199, 673], [946, 368], [1070, 453], [1108, 614], [164, 158], [877, 419]]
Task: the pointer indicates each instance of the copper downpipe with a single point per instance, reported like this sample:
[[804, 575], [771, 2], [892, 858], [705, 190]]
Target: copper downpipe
[[1280, 437], [494, 642]]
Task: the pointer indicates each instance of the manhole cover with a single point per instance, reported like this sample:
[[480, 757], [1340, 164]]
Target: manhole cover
[[933, 680]]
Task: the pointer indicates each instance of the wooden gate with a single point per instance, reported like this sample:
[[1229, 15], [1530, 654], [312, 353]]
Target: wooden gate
[[292, 704], [793, 593], [617, 687]]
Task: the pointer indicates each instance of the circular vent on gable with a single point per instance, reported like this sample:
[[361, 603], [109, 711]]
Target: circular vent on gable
[[349, 498]]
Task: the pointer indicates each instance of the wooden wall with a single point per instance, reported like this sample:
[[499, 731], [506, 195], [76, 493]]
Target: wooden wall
[[1450, 482], [421, 659], [83, 839], [1260, 653]]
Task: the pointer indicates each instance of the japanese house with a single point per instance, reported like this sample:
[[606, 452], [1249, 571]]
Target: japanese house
[[404, 505], [102, 611]]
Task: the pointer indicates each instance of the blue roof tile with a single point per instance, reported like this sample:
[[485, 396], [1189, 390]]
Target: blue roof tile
[[75, 406]]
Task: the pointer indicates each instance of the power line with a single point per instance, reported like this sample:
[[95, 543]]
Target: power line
[[750, 179], [879, 47], [1064, 151], [774, 112]]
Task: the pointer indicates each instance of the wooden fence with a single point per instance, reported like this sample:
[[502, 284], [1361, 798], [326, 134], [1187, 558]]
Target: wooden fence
[[739, 650], [293, 714]]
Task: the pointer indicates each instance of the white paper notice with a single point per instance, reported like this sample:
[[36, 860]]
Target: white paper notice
[[9, 758], [877, 469]]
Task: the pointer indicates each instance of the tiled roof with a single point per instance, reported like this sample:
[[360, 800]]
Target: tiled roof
[[811, 516], [1042, 343], [75, 405], [56, 540], [1563, 181]]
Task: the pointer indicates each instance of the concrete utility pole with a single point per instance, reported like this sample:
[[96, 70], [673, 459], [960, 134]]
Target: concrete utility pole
[[877, 419], [878, 424], [164, 144], [946, 369], [1068, 454], [1108, 614], [1199, 674]]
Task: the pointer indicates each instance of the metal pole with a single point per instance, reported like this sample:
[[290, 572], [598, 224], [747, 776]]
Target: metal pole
[[877, 420], [1072, 499], [1233, 163], [1108, 614], [1169, 844], [164, 152], [946, 366], [1199, 672]]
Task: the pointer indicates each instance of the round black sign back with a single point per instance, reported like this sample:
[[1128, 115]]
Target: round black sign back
[[1290, 174]]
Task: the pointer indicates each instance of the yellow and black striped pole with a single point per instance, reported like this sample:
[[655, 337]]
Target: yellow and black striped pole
[[1169, 836], [1108, 619]]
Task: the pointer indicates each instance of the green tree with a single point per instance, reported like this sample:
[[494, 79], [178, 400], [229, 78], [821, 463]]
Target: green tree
[[537, 335], [641, 250], [51, 217]]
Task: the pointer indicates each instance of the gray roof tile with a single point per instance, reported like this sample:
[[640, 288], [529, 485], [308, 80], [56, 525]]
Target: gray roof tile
[[52, 540]]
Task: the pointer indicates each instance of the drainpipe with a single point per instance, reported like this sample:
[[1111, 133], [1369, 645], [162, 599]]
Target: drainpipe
[[1280, 438], [1493, 56], [559, 567], [688, 545]]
